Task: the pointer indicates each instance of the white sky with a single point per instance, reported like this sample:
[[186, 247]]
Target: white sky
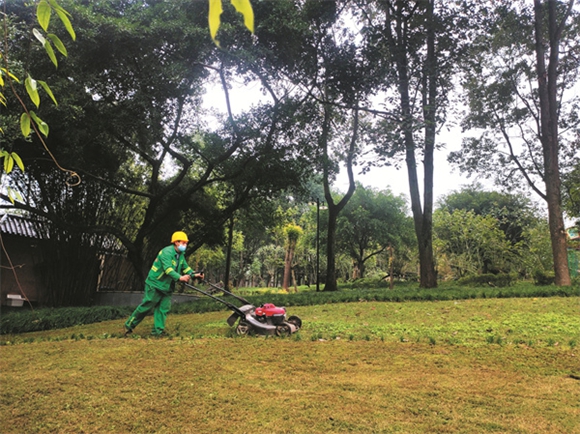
[[446, 178]]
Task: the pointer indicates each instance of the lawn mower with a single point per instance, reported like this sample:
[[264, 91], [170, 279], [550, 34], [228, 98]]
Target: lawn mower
[[266, 319]]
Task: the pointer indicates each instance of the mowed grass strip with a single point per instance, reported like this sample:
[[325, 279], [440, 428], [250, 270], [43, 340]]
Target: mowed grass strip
[[553, 321], [309, 384]]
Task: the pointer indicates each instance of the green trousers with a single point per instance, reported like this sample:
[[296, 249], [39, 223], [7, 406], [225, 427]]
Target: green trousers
[[155, 300]]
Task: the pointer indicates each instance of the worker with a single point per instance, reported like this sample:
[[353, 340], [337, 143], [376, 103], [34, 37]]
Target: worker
[[168, 268]]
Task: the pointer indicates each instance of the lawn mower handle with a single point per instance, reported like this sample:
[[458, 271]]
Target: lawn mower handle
[[233, 307], [243, 300]]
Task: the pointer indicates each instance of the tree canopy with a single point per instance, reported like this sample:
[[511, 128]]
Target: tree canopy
[[343, 85]]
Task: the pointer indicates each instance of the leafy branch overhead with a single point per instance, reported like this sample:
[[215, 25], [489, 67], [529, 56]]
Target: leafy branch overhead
[[29, 120]]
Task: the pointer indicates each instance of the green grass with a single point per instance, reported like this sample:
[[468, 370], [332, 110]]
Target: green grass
[[19, 320], [457, 366]]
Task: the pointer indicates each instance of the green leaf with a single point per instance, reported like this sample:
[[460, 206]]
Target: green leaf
[[58, 44], [12, 76], [214, 18], [50, 52], [18, 160], [8, 163], [63, 15], [244, 7], [25, 124], [42, 126], [48, 91], [56, 6], [13, 194], [43, 14], [32, 90]]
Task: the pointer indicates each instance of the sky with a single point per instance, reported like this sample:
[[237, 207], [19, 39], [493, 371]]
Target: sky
[[447, 179]]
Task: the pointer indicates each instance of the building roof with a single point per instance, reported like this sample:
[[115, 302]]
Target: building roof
[[37, 229], [21, 226]]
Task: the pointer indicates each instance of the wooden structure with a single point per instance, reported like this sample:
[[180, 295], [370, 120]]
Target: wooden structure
[[21, 260]]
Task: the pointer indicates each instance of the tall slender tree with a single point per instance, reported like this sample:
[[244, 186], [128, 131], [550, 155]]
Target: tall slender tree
[[293, 233], [417, 44], [521, 95]]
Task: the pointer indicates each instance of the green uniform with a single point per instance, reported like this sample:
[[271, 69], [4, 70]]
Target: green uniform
[[167, 268]]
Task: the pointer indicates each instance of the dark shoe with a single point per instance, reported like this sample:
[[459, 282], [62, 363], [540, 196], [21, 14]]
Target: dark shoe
[[128, 331], [162, 334]]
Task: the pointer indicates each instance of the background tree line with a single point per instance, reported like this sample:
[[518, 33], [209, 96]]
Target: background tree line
[[475, 232], [345, 83]]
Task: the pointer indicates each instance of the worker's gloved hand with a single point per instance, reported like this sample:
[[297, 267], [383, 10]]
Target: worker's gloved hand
[[184, 278]]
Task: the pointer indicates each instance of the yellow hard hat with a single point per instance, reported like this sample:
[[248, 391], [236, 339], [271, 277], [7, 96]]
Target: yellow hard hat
[[179, 236]]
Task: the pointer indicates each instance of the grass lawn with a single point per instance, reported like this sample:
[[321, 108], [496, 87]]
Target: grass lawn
[[473, 366]]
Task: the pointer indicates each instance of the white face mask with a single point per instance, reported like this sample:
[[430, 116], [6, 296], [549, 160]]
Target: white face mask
[[181, 248]]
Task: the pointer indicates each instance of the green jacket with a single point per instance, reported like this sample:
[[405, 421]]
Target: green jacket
[[167, 268]]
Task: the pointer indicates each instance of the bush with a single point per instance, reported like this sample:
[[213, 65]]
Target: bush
[[49, 319], [494, 280], [543, 278]]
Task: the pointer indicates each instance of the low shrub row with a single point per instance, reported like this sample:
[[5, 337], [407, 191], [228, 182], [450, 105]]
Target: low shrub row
[[47, 319], [544, 277], [413, 294], [494, 280]]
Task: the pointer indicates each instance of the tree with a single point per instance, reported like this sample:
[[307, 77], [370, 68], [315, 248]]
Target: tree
[[514, 212], [342, 81], [305, 51], [30, 122], [571, 192], [372, 222], [416, 44], [471, 243], [293, 233], [131, 124], [518, 93], [515, 216], [334, 209], [255, 222], [272, 258]]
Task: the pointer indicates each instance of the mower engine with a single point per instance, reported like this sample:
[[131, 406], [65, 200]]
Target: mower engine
[[266, 319], [270, 313]]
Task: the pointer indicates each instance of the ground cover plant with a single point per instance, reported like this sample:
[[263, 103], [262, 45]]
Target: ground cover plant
[[456, 366], [20, 320]]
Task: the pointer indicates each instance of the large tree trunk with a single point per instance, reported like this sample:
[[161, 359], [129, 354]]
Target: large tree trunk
[[331, 284], [288, 265], [428, 273], [334, 209], [548, 93], [229, 253], [422, 216]]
